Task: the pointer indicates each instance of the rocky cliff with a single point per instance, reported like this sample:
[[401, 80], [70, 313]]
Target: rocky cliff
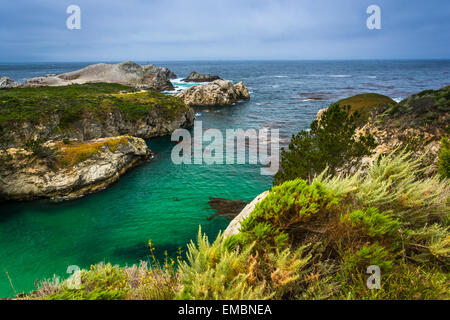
[[215, 93], [417, 123], [67, 170], [86, 112], [127, 73]]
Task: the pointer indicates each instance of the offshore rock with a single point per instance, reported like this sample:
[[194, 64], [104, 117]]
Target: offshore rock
[[216, 93]]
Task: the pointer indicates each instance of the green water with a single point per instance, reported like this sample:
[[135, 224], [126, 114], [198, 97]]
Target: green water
[[158, 200]]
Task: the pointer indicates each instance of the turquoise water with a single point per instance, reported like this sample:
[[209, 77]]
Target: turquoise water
[[167, 203]]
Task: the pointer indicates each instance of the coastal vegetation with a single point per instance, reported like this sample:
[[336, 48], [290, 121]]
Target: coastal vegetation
[[319, 228], [304, 241], [73, 102], [330, 142], [72, 153]]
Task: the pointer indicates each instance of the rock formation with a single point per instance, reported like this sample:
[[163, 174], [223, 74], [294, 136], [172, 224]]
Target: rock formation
[[417, 123], [6, 83], [216, 93], [198, 77], [58, 115], [75, 169], [127, 73]]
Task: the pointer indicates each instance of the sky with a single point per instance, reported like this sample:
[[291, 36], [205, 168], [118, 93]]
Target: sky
[[143, 30]]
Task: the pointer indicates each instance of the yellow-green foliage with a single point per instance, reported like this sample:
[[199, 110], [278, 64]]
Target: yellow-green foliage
[[70, 154], [74, 102], [285, 209], [102, 282], [444, 158], [307, 241], [211, 272], [391, 184]]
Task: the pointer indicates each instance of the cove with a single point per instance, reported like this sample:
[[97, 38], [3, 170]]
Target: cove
[[158, 200]]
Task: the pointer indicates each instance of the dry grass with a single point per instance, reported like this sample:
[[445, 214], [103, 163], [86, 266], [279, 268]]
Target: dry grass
[[76, 152]]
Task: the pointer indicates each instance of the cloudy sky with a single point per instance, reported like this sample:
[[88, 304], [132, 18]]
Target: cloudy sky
[[35, 30]]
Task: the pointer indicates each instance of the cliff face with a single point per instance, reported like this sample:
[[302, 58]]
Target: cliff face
[[68, 170], [115, 123], [417, 123], [68, 141], [215, 93], [86, 112], [127, 73]]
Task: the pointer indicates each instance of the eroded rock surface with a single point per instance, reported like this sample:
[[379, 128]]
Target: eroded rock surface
[[216, 93], [6, 83], [128, 73], [199, 77], [73, 170]]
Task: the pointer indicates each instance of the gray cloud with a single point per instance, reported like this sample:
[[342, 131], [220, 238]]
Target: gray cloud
[[202, 29]]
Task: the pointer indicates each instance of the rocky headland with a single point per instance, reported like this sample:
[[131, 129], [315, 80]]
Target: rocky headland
[[66, 141], [215, 93], [416, 124], [69, 169], [149, 77], [86, 112]]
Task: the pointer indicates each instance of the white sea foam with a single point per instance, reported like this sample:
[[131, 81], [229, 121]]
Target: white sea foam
[[397, 99], [339, 75]]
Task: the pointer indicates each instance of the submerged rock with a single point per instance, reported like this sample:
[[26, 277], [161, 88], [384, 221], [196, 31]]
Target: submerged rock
[[226, 207], [198, 77], [68, 170], [216, 93], [128, 73], [235, 224]]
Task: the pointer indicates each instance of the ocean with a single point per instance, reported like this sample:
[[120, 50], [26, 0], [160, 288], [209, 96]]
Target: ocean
[[167, 203]]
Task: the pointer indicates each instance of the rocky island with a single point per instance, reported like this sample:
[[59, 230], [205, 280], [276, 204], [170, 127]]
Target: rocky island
[[199, 77], [215, 93]]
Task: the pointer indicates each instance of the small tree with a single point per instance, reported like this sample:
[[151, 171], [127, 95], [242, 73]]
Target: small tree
[[330, 142]]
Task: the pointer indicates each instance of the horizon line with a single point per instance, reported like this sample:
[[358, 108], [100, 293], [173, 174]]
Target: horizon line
[[224, 60]]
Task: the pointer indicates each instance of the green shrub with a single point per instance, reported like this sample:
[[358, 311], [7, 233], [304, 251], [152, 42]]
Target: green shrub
[[284, 212], [377, 224], [444, 158], [330, 143]]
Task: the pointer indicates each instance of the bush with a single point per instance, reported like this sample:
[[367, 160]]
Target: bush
[[330, 143], [308, 241]]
